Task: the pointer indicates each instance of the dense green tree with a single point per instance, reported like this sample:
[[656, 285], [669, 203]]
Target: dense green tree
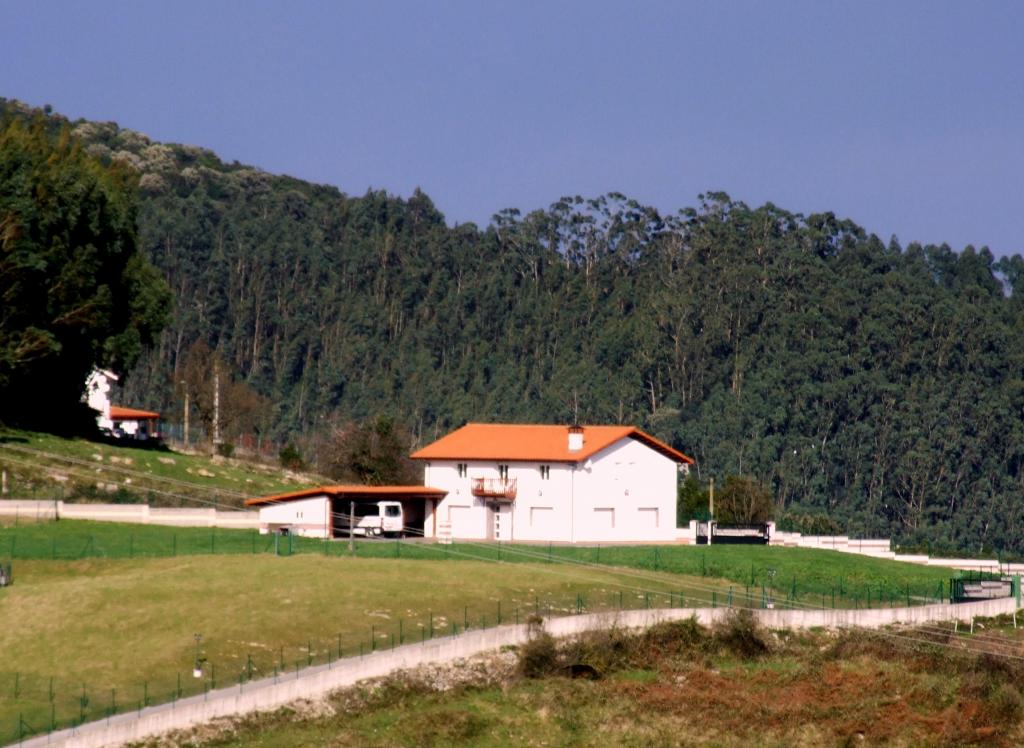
[[373, 453], [74, 291], [743, 501], [691, 501]]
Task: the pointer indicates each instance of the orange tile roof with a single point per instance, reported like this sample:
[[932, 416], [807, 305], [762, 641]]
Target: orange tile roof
[[352, 492], [117, 413], [534, 443]]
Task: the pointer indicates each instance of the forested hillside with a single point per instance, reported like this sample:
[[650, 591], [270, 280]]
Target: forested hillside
[[878, 383]]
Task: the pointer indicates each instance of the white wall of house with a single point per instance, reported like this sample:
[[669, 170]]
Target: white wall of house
[[310, 517], [626, 492], [97, 395]]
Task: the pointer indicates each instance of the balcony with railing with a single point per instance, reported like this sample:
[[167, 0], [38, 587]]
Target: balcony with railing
[[500, 489]]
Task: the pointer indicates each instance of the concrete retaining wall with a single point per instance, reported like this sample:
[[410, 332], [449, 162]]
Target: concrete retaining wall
[[879, 548], [313, 682], [140, 514]]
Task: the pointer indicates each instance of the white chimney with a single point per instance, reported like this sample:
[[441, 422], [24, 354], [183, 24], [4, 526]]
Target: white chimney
[[575, 438]]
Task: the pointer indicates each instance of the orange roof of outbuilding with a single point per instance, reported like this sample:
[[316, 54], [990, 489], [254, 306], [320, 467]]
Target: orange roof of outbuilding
[[354, 492], [534, 443], [117, 413]]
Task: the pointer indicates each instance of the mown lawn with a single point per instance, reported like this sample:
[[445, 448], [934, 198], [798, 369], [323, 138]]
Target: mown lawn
[[807, 576], [112, 633]]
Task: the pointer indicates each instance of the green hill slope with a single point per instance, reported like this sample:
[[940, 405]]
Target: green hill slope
[[876, 383], [43, 466]]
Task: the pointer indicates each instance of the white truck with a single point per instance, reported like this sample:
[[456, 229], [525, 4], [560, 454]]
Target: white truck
[[370, 519]]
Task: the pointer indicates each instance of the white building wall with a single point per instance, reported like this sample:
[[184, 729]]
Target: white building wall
[[97, 395], [626, 492], [309, 517]]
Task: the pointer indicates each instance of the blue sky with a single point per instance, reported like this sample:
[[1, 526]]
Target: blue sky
[[907, 117]]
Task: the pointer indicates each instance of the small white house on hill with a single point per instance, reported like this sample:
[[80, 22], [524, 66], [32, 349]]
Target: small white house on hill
[[125, 423], [516, 482]]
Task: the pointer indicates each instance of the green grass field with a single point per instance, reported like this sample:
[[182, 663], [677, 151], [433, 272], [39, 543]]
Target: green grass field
[[800, 574], [35, 460], [120, 631], [109, 611]]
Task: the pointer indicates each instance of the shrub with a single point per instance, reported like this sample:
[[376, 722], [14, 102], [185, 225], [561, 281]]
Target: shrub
[[290, 457], [1006, 702], [742, 635], [809, 524], [539, 656]]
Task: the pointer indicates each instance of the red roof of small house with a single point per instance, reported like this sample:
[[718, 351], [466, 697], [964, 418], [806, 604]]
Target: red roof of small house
[[353, 492], [117, 413], [534, 443]]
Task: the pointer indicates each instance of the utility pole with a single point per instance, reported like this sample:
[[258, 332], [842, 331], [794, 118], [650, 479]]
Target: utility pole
[[216, 404], [711, 508], [185, 415], [351, 516]]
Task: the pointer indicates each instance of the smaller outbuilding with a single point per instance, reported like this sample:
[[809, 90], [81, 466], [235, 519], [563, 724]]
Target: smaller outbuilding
[[334, 511], [132, 423]]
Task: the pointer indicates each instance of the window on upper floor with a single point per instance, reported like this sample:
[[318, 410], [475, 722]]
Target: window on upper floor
[[545, 472], [503, 472], [461, 468]]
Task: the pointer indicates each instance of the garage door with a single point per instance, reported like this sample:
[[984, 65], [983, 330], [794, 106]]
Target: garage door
[[460, 517]]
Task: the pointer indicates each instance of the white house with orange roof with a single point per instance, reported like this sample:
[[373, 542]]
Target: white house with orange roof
[[130, 423], [520, 482]]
